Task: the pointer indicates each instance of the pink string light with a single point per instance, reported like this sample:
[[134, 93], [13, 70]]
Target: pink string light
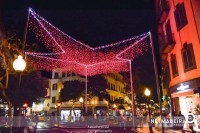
[[68, 54]]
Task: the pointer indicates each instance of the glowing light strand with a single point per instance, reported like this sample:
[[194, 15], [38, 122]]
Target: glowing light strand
[[72, 55]]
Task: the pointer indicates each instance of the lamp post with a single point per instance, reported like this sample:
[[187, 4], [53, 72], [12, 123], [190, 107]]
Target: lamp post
[[147, 94], [19, 65], [114, 109], [24, 108], [81, 102], [57, 106]]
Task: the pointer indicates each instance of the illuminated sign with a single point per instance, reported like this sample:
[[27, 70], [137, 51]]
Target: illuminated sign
[[182, 87]]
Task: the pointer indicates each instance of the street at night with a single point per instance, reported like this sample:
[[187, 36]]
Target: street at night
[[99, 66], [109, 130]]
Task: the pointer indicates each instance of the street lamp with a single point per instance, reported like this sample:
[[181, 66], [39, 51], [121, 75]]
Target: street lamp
[[114, 106], [24, 108], [81, 101], [19, 65], [114, 109], [147, 94]]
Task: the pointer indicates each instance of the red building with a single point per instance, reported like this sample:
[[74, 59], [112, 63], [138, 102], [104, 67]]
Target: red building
[[178, 31]]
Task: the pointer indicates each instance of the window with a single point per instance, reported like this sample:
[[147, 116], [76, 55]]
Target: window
[[188, 57], [53, 99], [111, 97], [68, 74], [56, 75], [112, 88], [174, 65], [180, 16], [54, 87], [63, 74], [73, 74], [169, 37]]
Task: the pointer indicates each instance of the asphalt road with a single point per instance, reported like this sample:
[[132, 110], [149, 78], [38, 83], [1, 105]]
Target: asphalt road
[[109, 130], [56, 130]]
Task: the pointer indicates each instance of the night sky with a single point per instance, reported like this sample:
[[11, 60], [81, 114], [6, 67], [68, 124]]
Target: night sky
[[92, 22]]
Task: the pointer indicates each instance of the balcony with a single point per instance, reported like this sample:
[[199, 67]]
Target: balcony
[[163, 10], [89, 104], [166, 44]]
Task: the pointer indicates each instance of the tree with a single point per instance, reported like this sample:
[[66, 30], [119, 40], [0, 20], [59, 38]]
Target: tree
[[72, 90], [10, 48], [97, 87], [75, 89], [8, 53], [31, 83]]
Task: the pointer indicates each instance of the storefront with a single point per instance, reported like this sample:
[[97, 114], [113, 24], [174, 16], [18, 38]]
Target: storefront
[[186, 98], [70, 115]]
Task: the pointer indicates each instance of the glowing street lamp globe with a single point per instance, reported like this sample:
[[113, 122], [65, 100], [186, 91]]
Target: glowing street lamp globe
[[147, 92], [81, 100], [25, 105], [58, 104], [19, 64]]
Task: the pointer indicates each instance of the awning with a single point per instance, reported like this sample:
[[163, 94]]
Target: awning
[[52, 110], [182, 93]]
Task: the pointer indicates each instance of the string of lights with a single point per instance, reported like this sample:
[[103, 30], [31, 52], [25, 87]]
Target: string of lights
[[68, 54]]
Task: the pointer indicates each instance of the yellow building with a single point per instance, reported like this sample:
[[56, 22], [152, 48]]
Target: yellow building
[[116, 88]]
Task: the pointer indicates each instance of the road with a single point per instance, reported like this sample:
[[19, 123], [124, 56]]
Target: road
[[108, 130], [56, 130]]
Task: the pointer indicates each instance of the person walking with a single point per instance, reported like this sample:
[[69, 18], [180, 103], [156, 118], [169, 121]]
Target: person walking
[[36, 121], [182, 119], [191, 122]]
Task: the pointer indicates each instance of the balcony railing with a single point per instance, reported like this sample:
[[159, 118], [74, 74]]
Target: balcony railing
[[89, 103], [169, 39], [163, 10], [166, 44]]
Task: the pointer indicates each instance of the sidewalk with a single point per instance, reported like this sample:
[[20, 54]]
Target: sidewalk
[[155, 130], [146, 130]]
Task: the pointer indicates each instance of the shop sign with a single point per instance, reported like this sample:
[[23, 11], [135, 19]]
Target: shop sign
[[182, 87]]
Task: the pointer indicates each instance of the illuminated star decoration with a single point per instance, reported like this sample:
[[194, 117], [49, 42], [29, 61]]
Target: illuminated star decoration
[[67, 54]]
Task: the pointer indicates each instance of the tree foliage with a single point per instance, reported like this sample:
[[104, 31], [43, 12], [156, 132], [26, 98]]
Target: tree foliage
[[10, 48], [8, 53], [72, 90], [97, 87], [75, 89], [32, 88]]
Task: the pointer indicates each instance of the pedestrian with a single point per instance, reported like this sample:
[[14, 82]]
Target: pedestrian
[[52, 119], [182, 119], [124, 121], [36, 121], [191, 120], [148, 119]]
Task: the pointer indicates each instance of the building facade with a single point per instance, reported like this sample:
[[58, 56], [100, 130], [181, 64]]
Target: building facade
[[116, 88], [178, 31], [51, 104], [56, 84]]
